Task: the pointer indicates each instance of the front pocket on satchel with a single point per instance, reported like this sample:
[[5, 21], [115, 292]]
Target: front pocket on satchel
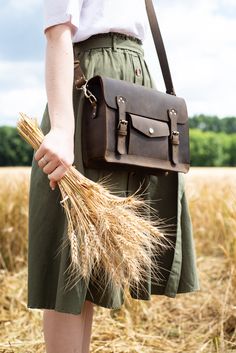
[[143, 136]]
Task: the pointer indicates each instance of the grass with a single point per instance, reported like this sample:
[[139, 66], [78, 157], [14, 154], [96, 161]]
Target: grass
[[201, 322]]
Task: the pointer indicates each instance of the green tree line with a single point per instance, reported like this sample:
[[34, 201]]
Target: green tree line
[[209, 148], [213, 123], [212, 143], [13, 150]]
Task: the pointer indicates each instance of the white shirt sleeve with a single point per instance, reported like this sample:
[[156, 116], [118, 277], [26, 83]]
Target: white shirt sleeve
[[61, 11]]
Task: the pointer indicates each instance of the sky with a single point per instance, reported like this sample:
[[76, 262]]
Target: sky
[[199, 36]]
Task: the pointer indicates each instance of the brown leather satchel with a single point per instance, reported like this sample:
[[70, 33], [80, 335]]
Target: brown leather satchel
[[128, 126]]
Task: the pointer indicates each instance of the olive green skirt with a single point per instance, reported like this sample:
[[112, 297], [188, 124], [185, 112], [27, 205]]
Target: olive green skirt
[[121, 58]]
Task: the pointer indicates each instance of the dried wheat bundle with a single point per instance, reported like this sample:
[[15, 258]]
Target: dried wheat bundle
[[112, 239]]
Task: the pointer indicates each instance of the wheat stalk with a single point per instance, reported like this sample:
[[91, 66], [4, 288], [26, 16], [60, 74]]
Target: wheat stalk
[[112, 239]]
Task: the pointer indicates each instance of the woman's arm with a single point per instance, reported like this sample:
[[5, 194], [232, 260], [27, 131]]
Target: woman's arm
[[57, 149]]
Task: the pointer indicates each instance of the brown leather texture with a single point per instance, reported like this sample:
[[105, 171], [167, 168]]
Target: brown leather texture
[[80, 79], [149, 127], [135, 128]]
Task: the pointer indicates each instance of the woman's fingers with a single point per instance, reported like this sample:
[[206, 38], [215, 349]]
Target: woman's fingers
[[55, 155], [42, 162], [53, 184], [58, 173], [49, 167], [40, 153], [54, 169]]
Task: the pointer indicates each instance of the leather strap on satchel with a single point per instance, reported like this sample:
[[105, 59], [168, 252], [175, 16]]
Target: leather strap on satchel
[[80, 78], [174, 138], [160, 48], [122, 126]]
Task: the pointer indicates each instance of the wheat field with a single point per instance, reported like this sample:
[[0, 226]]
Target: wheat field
[[201, 322]]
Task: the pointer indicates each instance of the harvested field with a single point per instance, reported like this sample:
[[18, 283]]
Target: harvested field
[[201, 322]]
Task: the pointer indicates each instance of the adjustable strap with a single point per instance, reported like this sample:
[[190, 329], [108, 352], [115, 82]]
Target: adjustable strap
[[174, 135], [79, 78], [122, 125], [160, 48]]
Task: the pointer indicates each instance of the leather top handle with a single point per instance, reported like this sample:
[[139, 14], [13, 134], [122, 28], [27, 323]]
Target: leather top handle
[[160, 48]]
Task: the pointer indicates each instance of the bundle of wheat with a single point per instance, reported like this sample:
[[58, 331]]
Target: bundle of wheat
[[111, 238]]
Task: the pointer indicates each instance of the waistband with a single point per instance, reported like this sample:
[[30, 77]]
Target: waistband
[[109, 40]]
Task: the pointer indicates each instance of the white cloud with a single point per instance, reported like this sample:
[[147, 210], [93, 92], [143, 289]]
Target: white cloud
[[21, 74], [25, 6], [29, 101], [21, 89]]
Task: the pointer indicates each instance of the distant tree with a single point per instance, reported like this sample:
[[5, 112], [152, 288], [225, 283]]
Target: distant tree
[[230, 150], [13, 150], [205, 123], [229, 125], [208, 148], [213, 123]]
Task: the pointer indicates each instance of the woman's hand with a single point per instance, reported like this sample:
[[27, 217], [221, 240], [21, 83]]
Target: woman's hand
[[56, 154]]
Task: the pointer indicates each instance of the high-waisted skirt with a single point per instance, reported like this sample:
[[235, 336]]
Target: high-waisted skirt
[[118, 57]]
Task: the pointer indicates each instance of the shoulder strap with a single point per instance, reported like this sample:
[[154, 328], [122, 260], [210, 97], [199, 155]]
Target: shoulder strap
[[159, 47]]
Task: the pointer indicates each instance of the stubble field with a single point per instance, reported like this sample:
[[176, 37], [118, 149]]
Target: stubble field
[[200, 322]]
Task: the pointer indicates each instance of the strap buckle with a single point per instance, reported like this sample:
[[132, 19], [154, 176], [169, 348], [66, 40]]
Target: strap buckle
[[122, 127], [88, 94], [175, 137]]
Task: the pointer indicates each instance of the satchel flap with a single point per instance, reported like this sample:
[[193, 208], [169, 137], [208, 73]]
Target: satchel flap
[[140, 100], [150, 127]]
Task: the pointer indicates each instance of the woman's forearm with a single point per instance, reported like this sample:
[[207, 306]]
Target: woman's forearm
[[56, 153], [59, 77]]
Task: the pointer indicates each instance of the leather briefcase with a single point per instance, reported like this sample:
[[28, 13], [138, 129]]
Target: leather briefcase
[[128, 126], [134, 127]]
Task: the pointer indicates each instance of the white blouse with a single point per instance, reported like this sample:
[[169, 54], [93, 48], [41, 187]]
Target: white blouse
[[98, 16]]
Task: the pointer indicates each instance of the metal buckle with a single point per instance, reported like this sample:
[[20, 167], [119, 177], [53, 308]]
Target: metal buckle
[[175, 137], [123, 122], [88, 94], [175, 133]]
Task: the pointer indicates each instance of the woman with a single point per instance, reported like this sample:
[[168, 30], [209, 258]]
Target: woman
[[105, 35]]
